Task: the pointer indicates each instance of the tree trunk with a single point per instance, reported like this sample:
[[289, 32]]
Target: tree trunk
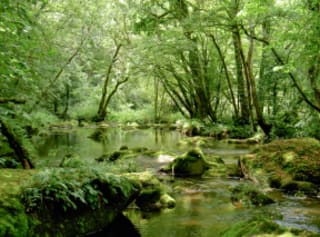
[[156, 99], [67, 99], [16, 145], [249, 75], [243, 99], [303, 94], [101, 114], [226, 72], [115, 89]]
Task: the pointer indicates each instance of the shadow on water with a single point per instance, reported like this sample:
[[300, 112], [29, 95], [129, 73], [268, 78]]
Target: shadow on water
[[120, 227]]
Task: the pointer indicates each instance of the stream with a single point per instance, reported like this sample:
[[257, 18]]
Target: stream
[[203, 204]]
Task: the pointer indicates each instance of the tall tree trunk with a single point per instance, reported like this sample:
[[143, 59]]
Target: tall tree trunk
[[156, 99], [101, 114], [242, 98], [266, 30], [111, 94], [249, 75], [66, 101], [226, 72]]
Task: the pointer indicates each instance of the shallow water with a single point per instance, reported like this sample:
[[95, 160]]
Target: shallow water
[[203, 204]]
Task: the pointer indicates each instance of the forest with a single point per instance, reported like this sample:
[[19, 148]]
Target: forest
[[241, 76]]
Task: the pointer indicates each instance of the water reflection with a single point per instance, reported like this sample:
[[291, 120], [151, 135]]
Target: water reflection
[[56, 145], [121, 227]]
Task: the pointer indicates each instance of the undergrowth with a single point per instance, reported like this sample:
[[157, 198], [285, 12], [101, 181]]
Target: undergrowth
[[67, 190]]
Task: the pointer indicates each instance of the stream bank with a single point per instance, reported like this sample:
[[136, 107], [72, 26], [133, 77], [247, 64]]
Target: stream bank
[[203, 204]]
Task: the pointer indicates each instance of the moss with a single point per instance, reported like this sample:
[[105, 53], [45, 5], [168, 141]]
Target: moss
[[289, 164], [148, 199], [13, 221], [253, 227], [113, 156], [123, 148], [167, 201], [61, 202], [191, 163], [247, 195], [125, 153], [153, 195]]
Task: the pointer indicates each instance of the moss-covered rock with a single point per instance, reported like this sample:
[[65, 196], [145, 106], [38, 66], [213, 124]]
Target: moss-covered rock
[[248, 195], [292, 165], [253, 227], [124, 152], [61, 202], [264, 227], [191, 163], [153, 195]]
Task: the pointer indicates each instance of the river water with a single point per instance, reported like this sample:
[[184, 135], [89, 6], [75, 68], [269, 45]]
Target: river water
[[203, 204]]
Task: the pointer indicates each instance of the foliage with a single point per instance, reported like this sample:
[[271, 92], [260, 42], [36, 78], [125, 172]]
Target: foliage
[[13, 221], [255, 62], [69, 190], [140, 116]]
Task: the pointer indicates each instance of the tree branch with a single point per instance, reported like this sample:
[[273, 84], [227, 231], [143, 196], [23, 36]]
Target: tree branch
[[282, 63]]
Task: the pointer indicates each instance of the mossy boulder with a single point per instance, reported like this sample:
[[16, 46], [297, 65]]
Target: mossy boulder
[[246, 195], [153, 195], [124, 152], [61, 202], [191, 163], [292, 165], [263, 227]]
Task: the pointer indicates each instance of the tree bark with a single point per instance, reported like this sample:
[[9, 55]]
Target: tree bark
[[243, 99], [66, 102], [101, 114], [249, 75], [16, 145], [226, 72]]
